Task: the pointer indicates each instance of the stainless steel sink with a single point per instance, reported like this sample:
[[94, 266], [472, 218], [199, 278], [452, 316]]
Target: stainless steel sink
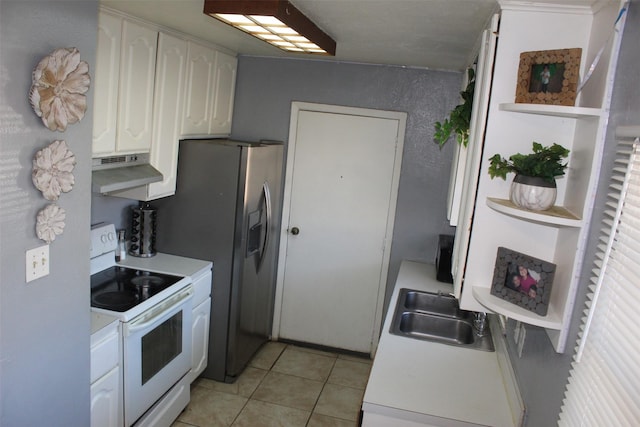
[[427, 302], [437, 317]]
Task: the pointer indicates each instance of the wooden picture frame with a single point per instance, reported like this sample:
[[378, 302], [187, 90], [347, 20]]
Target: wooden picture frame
[[548, 77], [523, 280]]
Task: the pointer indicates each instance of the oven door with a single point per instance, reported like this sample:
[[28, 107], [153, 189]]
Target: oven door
[[156, 352]]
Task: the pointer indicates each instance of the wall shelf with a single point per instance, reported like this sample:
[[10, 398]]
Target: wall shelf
[[557, 216], [552, 320], [553, 110], [559, 235]]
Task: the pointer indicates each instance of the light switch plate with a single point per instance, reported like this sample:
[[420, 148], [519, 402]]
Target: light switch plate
[[37, 263]]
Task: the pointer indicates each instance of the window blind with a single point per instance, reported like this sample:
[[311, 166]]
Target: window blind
[[603, 388]]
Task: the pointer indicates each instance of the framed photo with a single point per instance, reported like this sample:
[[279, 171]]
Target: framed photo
[[523, 280], [548, 77]]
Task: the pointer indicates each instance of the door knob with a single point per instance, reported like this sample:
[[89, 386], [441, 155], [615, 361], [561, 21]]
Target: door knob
[[295, 231]]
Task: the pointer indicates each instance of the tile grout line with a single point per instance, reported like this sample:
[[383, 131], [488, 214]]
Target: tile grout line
[[326, 381]]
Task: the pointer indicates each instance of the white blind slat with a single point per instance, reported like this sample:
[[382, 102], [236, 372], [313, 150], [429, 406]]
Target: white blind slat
[[604, 384]]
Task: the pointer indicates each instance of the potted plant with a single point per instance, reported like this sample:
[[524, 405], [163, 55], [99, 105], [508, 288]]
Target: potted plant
[[459, 118], [534, 186]]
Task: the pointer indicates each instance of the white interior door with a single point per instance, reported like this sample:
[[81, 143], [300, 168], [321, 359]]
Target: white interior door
[[340, 195]]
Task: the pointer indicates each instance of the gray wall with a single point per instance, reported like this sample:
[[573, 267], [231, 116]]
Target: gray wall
[[267, 86], [542, 373], [44, 324]]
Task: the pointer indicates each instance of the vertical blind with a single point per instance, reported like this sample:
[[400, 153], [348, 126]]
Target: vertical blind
[[603, 388]]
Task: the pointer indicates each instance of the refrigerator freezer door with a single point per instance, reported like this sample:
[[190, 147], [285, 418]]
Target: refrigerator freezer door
[[253, 291]]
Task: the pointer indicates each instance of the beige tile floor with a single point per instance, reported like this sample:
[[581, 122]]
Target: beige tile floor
[[284, 385]]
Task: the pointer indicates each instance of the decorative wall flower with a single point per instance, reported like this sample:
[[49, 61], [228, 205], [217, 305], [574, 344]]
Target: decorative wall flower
[[52, 167], [50, 222], [59, 83]]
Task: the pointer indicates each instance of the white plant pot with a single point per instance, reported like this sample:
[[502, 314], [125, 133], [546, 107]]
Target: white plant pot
[[532, 193]]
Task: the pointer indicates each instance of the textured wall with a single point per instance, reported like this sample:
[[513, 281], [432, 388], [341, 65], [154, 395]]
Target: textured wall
[[44, 324], [267, 86], [542, 373]]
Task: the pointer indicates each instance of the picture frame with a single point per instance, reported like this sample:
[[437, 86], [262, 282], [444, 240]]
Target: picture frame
[[523, 280], [549, 77]]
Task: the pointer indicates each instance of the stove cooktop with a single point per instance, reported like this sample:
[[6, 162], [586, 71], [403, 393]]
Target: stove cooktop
[[120, 288]]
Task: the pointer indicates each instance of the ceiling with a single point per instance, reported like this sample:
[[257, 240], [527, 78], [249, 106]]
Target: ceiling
[[434, 34]]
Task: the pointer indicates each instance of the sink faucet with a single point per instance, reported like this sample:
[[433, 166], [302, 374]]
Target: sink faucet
[[480, 323]]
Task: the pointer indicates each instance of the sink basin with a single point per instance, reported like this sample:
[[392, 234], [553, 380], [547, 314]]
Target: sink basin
[[437, 317], [442, 304], [439, 328]]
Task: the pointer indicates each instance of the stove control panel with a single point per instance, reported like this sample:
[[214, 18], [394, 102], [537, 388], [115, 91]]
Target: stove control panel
[[103, 239]]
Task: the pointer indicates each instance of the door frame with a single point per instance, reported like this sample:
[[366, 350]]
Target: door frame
[[296, 108]]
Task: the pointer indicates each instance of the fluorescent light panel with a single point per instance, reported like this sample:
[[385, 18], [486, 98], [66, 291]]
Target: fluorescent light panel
[[277, 22]]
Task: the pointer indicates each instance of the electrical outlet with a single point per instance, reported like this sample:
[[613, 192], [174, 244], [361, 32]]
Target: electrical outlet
[[37, 263]]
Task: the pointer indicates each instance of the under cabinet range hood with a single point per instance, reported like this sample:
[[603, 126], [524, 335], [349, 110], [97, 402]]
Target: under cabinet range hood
[[122, 172]]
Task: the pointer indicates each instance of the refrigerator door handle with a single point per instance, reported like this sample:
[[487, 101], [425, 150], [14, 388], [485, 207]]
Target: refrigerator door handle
[[266, 193]]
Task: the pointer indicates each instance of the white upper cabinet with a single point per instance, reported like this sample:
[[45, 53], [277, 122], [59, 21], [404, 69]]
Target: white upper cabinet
[[137, 72], [125, 70], [225, 85], [211, 78], [201, 68], [153, 86], [105, 84], [167, 118]]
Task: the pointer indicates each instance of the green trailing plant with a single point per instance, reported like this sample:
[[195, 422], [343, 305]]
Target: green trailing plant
[[544, 162], [459, 118]]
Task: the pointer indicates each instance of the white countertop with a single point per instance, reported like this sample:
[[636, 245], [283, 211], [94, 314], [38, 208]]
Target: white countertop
[[100, 321], [168, 264], [433, 383]]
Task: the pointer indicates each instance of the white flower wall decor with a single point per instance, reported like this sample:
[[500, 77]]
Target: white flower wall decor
[[50, 222], [52, 170], [60, 81]]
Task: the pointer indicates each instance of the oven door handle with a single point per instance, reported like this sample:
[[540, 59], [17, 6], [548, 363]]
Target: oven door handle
[[151, 315]]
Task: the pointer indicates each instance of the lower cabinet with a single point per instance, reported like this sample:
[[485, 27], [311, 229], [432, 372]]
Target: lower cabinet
[[105, 400], [200, 317], [200, 338], [106, 385]]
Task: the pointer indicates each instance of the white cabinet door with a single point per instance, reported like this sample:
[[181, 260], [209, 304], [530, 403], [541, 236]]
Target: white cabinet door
[[200, 338], [105, 84], [471, 163], [200, 90], [105, 400], [137, 71], [168, 102], [167, 118], [224, 91]]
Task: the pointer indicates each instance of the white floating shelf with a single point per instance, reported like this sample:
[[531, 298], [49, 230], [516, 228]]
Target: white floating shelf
[[551, 321], [557, 216], [552, 110]]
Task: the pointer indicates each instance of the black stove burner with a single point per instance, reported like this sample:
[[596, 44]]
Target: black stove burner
[[149, 279], [120, 288], [115, 300]]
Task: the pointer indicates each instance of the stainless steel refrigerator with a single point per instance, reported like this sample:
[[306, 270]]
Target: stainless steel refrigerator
[[227, 209]]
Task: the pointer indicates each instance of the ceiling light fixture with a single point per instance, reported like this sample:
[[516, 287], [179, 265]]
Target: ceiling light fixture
[[276, 22]]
